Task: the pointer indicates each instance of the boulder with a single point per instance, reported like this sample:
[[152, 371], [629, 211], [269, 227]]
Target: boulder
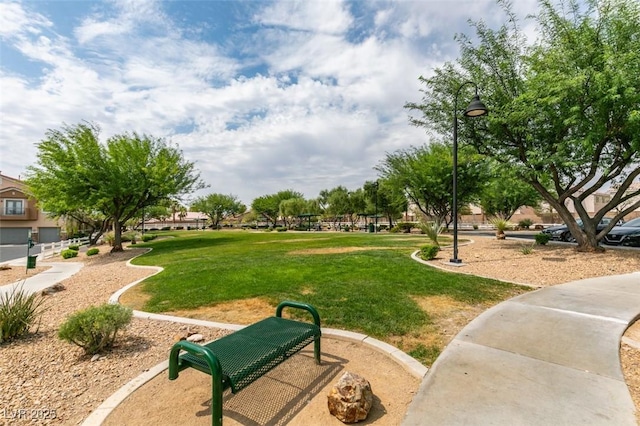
[[351, 398]]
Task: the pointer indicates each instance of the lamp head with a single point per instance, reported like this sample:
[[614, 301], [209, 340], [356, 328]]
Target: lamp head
[[476, 108]]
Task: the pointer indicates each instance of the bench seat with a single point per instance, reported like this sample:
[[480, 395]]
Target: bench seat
[[238, 359]]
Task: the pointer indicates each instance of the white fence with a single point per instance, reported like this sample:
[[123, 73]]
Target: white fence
[[48, 250]]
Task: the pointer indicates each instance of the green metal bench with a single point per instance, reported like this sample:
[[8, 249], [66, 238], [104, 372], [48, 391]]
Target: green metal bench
[[238, 359]]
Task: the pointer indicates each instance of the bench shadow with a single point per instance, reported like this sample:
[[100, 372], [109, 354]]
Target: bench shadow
[[278, 396]]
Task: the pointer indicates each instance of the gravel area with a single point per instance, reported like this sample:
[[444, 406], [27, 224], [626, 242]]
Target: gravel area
[[45, 377]]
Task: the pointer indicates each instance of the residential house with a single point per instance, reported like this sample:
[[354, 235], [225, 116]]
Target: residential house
[[20, 216]]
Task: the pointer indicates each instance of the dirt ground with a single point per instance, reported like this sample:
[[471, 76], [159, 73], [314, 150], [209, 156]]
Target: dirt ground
[[294, 393]]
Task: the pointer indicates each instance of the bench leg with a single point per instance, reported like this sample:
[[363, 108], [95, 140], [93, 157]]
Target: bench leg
[[216, 399], [316, 349]]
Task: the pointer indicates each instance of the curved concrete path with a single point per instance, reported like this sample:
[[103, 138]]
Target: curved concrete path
[[549, 357], [58, 272]]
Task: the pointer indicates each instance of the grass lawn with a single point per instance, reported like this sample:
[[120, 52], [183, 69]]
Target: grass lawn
[[358, 281]]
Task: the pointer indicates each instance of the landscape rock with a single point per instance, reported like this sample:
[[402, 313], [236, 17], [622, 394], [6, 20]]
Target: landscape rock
[[53, 289], [195, 338], [351, 398]]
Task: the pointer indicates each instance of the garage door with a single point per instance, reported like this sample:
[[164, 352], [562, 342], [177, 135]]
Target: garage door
[[14, 235], [48, 235]]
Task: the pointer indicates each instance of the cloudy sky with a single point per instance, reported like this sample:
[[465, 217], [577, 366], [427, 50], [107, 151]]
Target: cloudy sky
[[262, 95]]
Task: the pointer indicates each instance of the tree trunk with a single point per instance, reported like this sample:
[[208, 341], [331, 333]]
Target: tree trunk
[[117, 238]]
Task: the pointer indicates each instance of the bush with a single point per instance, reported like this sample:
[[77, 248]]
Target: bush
[[94, 329], [109, 238], [19, 311], [542, 239], [68, 254], [405, 227], [165, 228], [526, 249], [525, 223], [148, 237], [74, 247], [281, 229], [93, 251], [429, 252]]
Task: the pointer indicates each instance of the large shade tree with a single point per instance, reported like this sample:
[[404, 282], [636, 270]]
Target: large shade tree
[[218, 207], [425, 174], [117, 178], [268, 206], [505, 193], [564, 108], [385, 199]]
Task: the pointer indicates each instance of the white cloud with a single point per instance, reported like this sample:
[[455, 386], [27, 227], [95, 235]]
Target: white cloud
[[322, 111]]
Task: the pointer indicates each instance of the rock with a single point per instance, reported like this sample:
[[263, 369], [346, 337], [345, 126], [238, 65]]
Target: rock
[[53, 289], [179, 337], [195, 338], [95, 357], [351, 398]]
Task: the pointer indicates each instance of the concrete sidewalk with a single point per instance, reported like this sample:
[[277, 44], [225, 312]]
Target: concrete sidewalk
[[58, 272], [549, 357]]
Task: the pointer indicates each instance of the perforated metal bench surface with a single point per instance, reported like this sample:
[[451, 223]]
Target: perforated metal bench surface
[[238, 359]]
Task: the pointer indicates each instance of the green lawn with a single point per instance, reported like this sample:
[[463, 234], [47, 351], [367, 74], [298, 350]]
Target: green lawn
[[368, 290]]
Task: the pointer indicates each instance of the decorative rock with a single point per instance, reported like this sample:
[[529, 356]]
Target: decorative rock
[[53, 289], [95, 357], [195, 338], [351, 398]]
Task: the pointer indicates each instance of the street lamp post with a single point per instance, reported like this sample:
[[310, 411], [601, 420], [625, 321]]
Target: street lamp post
[[376, 198], [475, 109]]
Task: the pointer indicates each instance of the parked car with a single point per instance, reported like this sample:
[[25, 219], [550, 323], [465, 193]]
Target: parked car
[[562, 233], [627, 234]]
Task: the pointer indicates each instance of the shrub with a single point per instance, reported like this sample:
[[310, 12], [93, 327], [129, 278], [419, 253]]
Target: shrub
[[281, 229], [148, 237], [475, 226], [19, 311], [68, 254], [525, 223], [526, 249], [165, 228], [429, 252], [109, 238], [74, 247], [405, 227], [432, 230], [542, 239], [93, 251], [94, 329], [179, 228]]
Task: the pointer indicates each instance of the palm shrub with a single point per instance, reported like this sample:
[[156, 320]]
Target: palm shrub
[[432, 230], [19, 312], [501, 225], [94, 329]]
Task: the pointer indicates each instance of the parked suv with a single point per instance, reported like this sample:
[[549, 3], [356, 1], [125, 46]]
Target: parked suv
[[562, 233], [627, 234]]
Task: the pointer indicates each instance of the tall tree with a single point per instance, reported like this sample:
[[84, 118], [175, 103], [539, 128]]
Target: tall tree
[[218, 207], [566, 108], [385, 199], [117, 179], [505, 193], [268, 206], [426, 175]]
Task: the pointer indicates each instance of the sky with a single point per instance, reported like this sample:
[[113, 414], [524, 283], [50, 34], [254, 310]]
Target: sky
[[262, 96]]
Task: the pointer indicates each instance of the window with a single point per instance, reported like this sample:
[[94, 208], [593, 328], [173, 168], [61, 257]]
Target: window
[[13, 207]]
